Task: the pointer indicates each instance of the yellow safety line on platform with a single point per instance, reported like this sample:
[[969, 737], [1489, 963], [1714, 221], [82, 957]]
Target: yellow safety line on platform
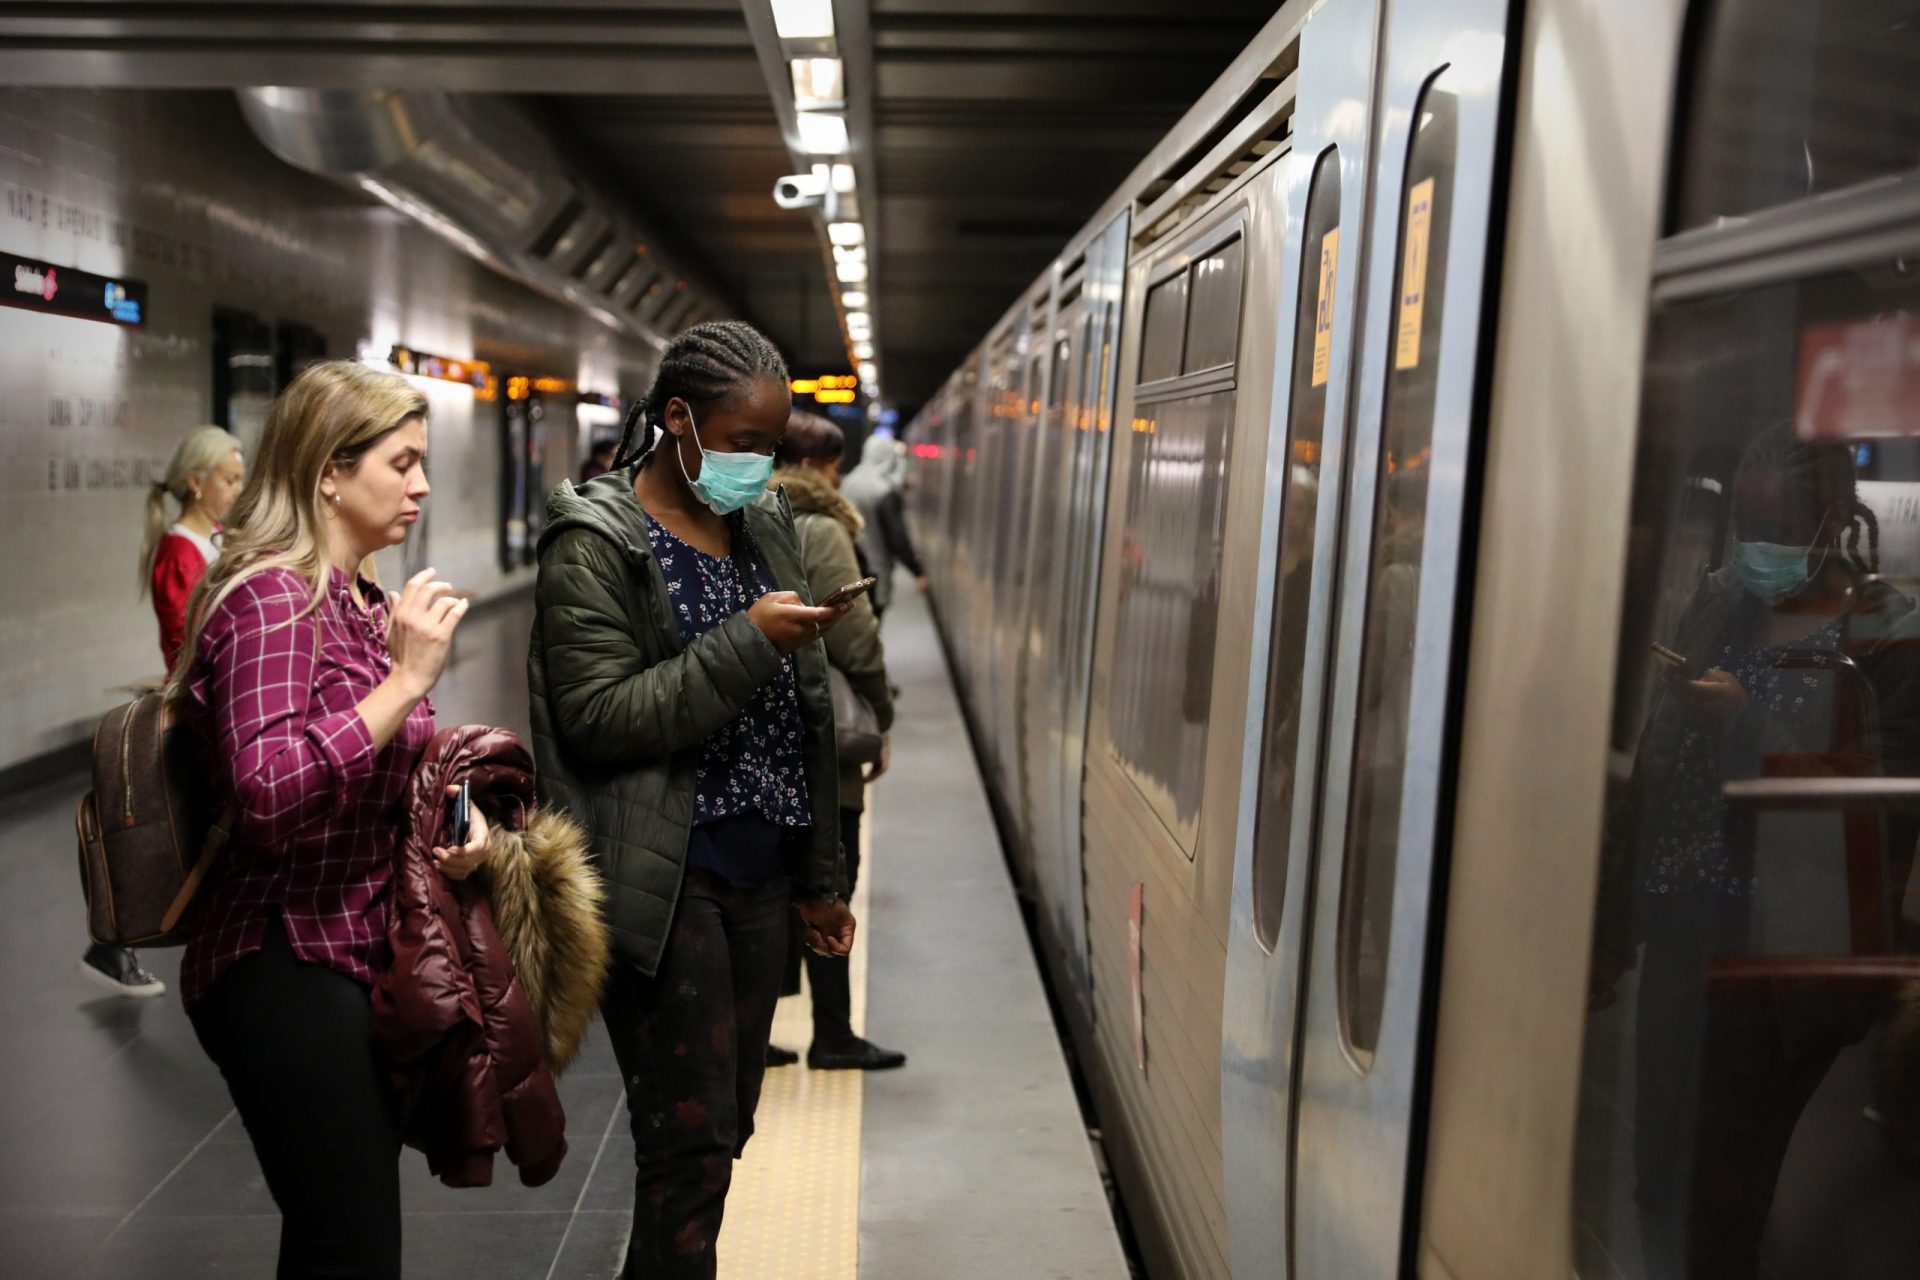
[[794, 1210]]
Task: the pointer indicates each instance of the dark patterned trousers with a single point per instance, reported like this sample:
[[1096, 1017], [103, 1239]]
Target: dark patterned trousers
[[692, 1044]]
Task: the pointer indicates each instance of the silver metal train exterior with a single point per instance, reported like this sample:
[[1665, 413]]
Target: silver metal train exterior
[[1292, 557]]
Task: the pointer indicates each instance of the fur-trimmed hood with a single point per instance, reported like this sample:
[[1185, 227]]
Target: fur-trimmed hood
[[812, 494], [546, 900]]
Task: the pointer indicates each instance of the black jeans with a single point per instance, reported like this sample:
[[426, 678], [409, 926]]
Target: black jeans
[[295, 1043], [692, 1044], [827, 975]]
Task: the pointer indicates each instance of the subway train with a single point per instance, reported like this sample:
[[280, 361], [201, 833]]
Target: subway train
[[1429, 571]]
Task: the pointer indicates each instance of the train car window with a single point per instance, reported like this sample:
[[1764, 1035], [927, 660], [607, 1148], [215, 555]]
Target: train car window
[[1169, 594], [1748, 1100], [1792, 99], [1213, 314], [1306, 429], [1162, 333], [1394, 569]]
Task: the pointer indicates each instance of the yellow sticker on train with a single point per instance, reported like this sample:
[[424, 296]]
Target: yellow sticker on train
[[1323, 308], [1413, 275]]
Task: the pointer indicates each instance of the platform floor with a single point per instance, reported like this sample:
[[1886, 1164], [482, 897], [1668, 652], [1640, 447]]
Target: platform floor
[[120, 1154]]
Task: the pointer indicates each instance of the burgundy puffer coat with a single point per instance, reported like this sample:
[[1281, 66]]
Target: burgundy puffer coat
[[451, 1018]]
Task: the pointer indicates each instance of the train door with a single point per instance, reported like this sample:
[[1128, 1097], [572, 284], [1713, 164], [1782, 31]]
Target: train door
[[1349, 774], [1012, 600], [1037, 699], [1307, 455], [1070, 485], [1090, 428]]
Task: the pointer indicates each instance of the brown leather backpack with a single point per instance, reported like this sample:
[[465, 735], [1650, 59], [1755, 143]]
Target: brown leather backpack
[[151, 827]]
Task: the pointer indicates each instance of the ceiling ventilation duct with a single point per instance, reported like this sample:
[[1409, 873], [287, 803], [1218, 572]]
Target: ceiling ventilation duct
[[476, 170]]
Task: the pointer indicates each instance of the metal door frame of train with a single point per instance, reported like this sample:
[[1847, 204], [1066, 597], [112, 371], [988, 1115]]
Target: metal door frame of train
[[1052, 777], [1296, 1092]]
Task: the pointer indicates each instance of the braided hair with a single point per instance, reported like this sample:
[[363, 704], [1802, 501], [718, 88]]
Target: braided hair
[[704, 365], [1821, 474]]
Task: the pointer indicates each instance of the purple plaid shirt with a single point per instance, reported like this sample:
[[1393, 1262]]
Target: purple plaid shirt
[[320, 811]]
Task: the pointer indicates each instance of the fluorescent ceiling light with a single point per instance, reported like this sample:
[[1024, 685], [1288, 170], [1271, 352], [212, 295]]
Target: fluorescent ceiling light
[[849, 253], [854, 299], [869, 371], [853, 272], [818, 82], [822, 133], [803, 19], [843, 178], [846, 233], [863, 350]]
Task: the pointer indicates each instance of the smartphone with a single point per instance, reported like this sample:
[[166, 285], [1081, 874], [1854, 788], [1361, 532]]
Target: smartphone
[[852, 591], [459, 815]]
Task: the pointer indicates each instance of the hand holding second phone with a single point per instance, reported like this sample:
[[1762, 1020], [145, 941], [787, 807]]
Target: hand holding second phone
[[461, 861], [420, 624], [788, 623]]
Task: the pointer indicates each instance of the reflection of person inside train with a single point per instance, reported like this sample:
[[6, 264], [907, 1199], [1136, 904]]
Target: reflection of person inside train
[[1289, 643], [1793, 659]]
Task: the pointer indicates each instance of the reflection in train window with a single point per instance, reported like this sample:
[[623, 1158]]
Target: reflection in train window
[[1163, 329], [1750, 1077], [1794, 99], [1213, 315], [1169, 597], [1749, 1087], [1394, 570], [1306, 426]]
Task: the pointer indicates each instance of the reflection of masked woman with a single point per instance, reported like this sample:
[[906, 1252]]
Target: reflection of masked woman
[[1793, 661]]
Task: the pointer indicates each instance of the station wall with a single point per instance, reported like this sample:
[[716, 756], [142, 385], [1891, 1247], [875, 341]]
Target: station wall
[[172, 188]]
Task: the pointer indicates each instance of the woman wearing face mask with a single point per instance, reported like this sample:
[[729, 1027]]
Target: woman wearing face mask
[[1771, 653], [314, 687], [681, 714]]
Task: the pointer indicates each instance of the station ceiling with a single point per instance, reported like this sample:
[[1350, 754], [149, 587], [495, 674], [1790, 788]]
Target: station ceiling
[[999, 125]]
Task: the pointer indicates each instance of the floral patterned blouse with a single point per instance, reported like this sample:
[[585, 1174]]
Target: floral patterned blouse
[[754, 766], [1689, 845]]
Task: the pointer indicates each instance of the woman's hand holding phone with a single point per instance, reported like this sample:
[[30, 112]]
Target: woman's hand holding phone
[[462, 860], [788, 623]]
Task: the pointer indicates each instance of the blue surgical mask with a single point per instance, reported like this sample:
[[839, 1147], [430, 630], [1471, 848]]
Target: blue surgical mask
[[1772, 571], [727, 481]]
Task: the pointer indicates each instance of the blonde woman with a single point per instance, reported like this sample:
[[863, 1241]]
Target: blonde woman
[[313, 686], [203, 479]]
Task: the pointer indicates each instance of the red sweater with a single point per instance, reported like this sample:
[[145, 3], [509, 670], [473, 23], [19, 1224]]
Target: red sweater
[[177, 567]]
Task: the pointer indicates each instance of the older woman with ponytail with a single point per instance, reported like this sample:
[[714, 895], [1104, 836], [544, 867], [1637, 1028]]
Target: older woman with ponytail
[[313, 686], [681, 714], [202, 480]]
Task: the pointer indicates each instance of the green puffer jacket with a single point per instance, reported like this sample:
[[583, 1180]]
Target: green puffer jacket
[[827, 526], [621, 706]]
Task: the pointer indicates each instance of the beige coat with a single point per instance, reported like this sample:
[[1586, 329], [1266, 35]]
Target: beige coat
[[827, 526]]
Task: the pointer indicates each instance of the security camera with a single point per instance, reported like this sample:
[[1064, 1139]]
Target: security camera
[[800, 191]]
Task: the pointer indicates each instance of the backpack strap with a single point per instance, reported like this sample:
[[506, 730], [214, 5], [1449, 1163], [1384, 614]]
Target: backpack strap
[[220, 831]]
